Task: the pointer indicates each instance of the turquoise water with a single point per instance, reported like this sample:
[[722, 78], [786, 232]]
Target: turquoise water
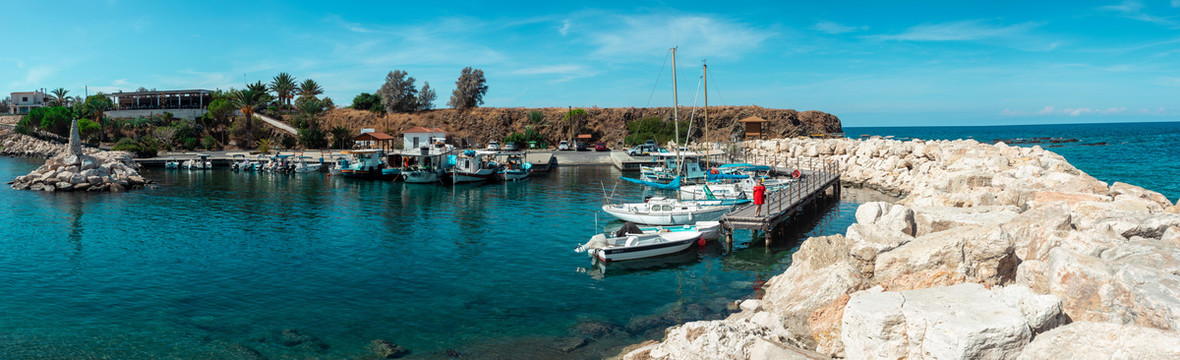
[[1142, 154], [215, 264]]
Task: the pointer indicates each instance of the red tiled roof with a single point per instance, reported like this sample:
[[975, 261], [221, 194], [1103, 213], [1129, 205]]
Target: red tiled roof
[[420, 129], [373, 136]]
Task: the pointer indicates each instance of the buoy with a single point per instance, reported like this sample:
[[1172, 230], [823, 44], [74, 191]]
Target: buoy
[[796, 174], [701, 241]]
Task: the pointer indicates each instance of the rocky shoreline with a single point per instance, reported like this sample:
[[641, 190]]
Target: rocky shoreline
[[994, 251], [70, 167]]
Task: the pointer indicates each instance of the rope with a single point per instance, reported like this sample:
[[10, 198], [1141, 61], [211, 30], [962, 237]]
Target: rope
[[653, 87]]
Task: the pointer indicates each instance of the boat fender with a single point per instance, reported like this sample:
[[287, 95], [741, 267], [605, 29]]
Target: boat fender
[[796, 174], [701, 241]]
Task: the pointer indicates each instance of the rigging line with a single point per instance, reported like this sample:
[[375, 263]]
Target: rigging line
[[717, 90], [692, 115], [653, 87]]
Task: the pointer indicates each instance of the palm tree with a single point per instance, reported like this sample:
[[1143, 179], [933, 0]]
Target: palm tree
[[247, 100], [283, 86], [309, 88], [59, 96]]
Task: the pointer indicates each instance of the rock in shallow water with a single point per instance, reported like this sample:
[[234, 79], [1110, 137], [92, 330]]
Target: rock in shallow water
[[387, 350]]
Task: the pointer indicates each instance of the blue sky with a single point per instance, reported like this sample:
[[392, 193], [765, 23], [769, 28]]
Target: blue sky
[[870, 63]]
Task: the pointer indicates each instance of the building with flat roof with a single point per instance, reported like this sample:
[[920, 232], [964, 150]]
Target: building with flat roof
[[416, 137], [24, 101], [164, 99]]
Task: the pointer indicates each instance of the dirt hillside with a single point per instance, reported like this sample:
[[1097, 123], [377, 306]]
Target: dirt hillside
[[606, 124]]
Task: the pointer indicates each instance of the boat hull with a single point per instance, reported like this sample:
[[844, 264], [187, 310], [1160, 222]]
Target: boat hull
[[710, 230], [421, 177], [658, 245], [513, 175], [467, 177], [712, 213]]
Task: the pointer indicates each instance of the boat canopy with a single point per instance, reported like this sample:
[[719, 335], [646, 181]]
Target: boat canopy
[[673, 185]]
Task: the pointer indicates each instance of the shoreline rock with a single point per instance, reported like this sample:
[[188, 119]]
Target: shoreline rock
[[997, 245], [73, 168]]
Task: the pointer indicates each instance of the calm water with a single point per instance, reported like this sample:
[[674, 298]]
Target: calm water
[[1142, 154], [215, 264]]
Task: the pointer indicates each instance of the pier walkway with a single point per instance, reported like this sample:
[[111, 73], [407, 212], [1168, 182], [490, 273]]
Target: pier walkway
[[820, 179]]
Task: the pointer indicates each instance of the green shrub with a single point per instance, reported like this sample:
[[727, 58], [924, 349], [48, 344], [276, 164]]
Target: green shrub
[[313, 138], [210, 143], [143, 148], [288, 142], [23, 127], [88, 130], [55, 119]]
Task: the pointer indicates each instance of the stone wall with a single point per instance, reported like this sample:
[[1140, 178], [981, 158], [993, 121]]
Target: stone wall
[[187, 114], [994, 252]]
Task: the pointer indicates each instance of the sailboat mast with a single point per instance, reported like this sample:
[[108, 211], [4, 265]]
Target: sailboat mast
[[676, 120], [706, 76]]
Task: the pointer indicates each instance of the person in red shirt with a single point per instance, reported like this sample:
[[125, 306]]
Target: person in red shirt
[[759, 197]]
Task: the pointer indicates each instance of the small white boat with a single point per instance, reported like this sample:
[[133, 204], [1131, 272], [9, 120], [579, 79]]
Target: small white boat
[[303, 165], [338, 169], [239, 163], [712, 191], [631, 247], [710, 230], [663, 211], [172, 164], [201, 162]]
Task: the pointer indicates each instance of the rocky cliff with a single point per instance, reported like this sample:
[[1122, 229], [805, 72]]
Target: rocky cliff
[[606, 124], [996, 252]]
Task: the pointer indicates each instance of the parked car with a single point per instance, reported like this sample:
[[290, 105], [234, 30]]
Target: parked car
[[600, 146], [641, 149], [563, 145], [651, 143], [509, 146], [582, 146], [493, 145]]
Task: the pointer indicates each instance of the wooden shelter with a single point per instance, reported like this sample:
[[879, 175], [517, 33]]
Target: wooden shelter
[[376, 140], [754, 128]]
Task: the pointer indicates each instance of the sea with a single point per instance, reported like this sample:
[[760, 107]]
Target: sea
[[220, 265]]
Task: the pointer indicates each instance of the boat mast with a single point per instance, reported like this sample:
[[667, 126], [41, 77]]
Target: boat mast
[[676, 120], [706, 76]]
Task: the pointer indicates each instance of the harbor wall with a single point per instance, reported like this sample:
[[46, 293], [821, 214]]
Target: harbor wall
[[994, 251], [187, 114]]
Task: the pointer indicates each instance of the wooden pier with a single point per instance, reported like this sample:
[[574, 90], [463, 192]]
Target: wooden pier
[[819, 179]]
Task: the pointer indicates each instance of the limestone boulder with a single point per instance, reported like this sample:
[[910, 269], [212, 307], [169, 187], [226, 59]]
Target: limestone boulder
[[735, 338], [1123, 189], [821, 272], [962, 254], [1098, 340], [931, 324], [1071, 198], [1085, 285], [1036, 224]]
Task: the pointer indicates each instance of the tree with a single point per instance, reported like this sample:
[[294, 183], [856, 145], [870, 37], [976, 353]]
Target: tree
[[573, 120], [54, 119], [95, 105], [340, 136], [469, 89], [426, 97], [310, 89], [367, 101], [398, 93], [60, 98], [248, 100], [283, 85]]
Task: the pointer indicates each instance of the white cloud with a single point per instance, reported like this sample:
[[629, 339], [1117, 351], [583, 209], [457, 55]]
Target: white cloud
[[565, 27], [960, 31], [1079, 111], [1046, 111], [706, 36], [1076, 111], [835, 28], [34, 78], [1133, 9], [556, 73]]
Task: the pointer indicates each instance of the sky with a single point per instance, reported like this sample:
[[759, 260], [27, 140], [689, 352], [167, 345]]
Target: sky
[[871, 63]]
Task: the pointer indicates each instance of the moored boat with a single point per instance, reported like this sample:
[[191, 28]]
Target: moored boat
[[638, 246], [364, 164], [514, 168], [474, 166], [664, 211], [712, 191]]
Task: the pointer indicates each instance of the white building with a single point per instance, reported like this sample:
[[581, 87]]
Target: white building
[[421, 136], [24, 101]]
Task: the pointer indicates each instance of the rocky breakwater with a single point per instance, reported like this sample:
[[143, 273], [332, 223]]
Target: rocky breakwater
[[995, 252], [75, 169], [13, 144]]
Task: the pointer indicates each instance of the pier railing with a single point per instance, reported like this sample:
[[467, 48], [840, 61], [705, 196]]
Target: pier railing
[[816, 175]]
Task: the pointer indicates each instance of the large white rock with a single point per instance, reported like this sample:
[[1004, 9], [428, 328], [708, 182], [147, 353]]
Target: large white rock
[[965, 321], [1094, 340], [966, 253]]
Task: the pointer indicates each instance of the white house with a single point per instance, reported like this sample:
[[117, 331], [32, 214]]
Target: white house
[[24, 101], [421, 136]]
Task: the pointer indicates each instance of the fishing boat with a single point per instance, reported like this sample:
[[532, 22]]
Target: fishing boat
[[709, 230], [664, 211], [514, 168], [364, 163], [427, 165], [474, 166], [638, 246], [306, 165], [670, 165]]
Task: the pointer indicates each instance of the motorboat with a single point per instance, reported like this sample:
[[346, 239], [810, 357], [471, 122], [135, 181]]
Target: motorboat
[[201, 162], [710, 230], [306, 165], [338, 168], [428, 164], [239, 163], [669, 164], [713, 191], [665, 211], [474, 166], [638, 246], [514, 168], [172, 164]]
